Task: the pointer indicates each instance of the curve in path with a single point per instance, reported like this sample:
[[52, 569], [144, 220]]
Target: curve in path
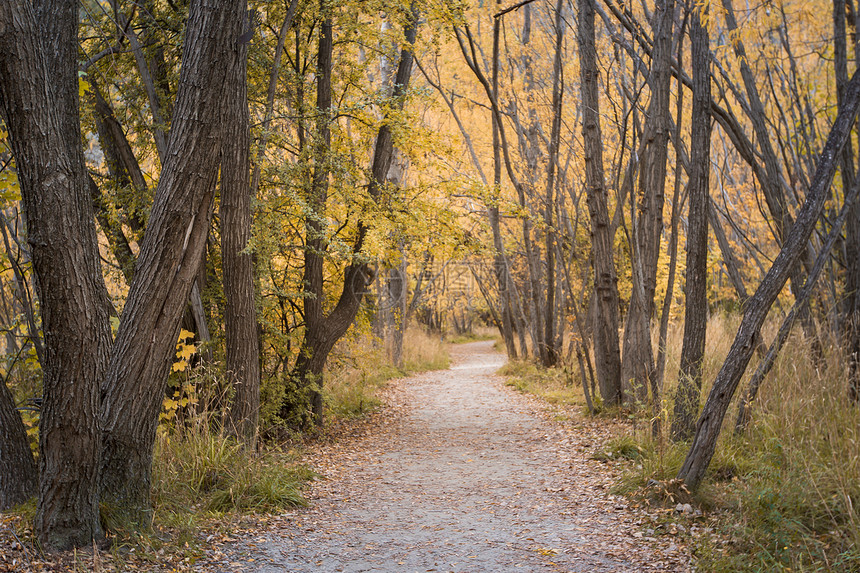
[[469, 477]]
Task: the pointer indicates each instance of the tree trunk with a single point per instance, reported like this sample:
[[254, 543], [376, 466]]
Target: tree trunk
[[396, 287], [19, 479], [637, 366], [771, 185], [503, 276], [850, 318], [169, 260], [39, 95], [323, 331], [710, 422], [606, 348], [696, 311], [240, 315], [551, 314]]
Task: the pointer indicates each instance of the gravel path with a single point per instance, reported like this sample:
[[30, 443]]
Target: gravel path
[[462, 474]]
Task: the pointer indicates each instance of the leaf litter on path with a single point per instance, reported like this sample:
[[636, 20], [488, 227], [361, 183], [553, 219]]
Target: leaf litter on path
[[460, 473]]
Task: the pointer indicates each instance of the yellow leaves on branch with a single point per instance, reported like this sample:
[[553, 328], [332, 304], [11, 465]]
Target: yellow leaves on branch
[[184, 351]]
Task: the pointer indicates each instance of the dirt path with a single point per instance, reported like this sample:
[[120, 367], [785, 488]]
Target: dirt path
[[466, 475]]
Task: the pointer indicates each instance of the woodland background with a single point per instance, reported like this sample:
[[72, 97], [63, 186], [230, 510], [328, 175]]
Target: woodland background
[[644, 196]]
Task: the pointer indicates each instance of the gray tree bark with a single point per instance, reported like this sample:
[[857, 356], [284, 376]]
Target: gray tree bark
[[696, 308], [637, 366], [240, 309], [169, 260], [39, 96], [714, 411], [606, 347]]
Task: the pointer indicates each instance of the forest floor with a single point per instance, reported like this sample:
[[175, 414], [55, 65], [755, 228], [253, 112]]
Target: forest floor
[[462, 473]]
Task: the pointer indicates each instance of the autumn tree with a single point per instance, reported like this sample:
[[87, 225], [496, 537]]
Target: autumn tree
[[324, 329], [41, 113], [169, 258], [695, 315]]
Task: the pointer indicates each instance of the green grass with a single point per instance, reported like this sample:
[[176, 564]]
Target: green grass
[[554, 385], [201, 476]]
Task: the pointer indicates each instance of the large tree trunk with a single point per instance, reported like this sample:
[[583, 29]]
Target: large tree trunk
[[19, 480], [169, 260], [696, 311], [240, 315], [637, 366], [606, 348], [38, 90], [711, 420]]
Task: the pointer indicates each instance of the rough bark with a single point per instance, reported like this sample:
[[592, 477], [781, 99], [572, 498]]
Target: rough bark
[[637, 366], [713, 413], [38, 90], [169, 260], [19, 479], [696, 307], [606, 347], [242, 360], [851, 302]]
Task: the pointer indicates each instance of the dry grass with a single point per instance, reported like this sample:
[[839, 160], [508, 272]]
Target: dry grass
[[361, 368], [787, 490]]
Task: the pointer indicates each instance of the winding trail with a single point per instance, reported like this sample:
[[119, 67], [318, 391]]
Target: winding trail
[[463, 474]]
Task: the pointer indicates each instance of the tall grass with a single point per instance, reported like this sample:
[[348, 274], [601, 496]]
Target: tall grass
[[788, 488], [555, 386], [360, 369]]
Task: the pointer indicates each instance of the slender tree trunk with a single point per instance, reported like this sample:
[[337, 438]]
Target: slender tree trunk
[[637, 367], [530, 147], [503, 277], [696, 311], [169, 260], [240, 315], [850, 318], [714, 411], [677, 207], [550, 338], [606, 347]]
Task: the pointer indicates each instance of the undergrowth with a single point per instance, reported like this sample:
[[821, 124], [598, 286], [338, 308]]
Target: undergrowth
[[781, 496], [555, 385], [360, 369]]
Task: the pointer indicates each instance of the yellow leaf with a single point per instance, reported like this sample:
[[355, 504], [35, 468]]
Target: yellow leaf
[[179, 366], [185, 351]]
